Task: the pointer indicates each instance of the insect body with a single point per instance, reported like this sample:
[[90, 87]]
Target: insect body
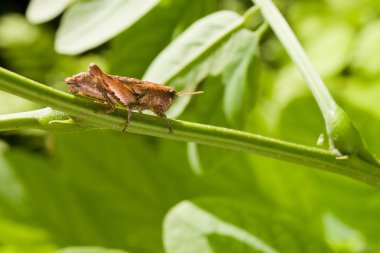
[[134, 94]]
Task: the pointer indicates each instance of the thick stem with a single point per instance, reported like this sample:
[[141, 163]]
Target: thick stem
[[47, 119], [80, 109]]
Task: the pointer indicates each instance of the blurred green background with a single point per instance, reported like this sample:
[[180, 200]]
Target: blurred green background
[[101, 189]]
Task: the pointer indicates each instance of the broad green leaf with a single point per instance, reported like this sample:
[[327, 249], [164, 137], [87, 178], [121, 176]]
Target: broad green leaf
[[331, 50], [15, 31], [223, 243], [364, 95], [288, 85], [28, 50], [168, 18], [22, 43], [10, 189], [316, 193], [328, 39], [40, 11], [312, 194], [14, 233], [187, 227], [365, 56], [342, 6], [194, 226], [110, 189], [116, 199], [198, 52], [89, 250], [18, 235], [113, 190], [88, 24], [204, 49], [198, 40], [342, 237], [309, 126], [240, 77]]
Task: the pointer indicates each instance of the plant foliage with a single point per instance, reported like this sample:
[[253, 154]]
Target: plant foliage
[[103, 191]]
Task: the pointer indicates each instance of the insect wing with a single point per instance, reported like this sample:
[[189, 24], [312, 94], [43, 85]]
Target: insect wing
[[118, 90]]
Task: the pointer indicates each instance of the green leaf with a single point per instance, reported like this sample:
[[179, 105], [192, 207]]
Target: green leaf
[[110, 189], [198, 40], [240, 76], [167, 18], [342, 237], [13, 233], [328, 39], [223, 243], [362, 94], [202, 50], [115, 199], [321, 192], [40, 11], [88, 24], [113, 190], [10, 189], [190, 225], [330, 50], [365, 57], [89, 250]]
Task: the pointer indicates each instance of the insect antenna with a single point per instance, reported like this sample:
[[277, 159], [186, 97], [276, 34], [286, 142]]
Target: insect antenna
[[184, 93]]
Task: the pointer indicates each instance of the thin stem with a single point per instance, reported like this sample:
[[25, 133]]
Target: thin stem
[[344, 138], [298, 55], [262, 30], [80, 109], [249, 13]]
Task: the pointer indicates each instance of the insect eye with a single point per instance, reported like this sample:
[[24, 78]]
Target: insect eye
[[172, 93]]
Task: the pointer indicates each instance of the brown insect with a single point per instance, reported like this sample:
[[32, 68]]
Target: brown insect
[[134, 94]]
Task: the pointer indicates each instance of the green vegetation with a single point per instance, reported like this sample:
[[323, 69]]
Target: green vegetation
[[250, 176]]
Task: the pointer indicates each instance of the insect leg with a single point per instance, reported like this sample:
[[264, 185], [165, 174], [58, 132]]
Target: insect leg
[[129, 118], [163, 115], [168, 124], [106, 98]]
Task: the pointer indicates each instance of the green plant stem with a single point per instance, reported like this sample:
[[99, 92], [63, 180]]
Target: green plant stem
[[46, 119], [298, 55], [262, 30], [344, 138], [79, 109]]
